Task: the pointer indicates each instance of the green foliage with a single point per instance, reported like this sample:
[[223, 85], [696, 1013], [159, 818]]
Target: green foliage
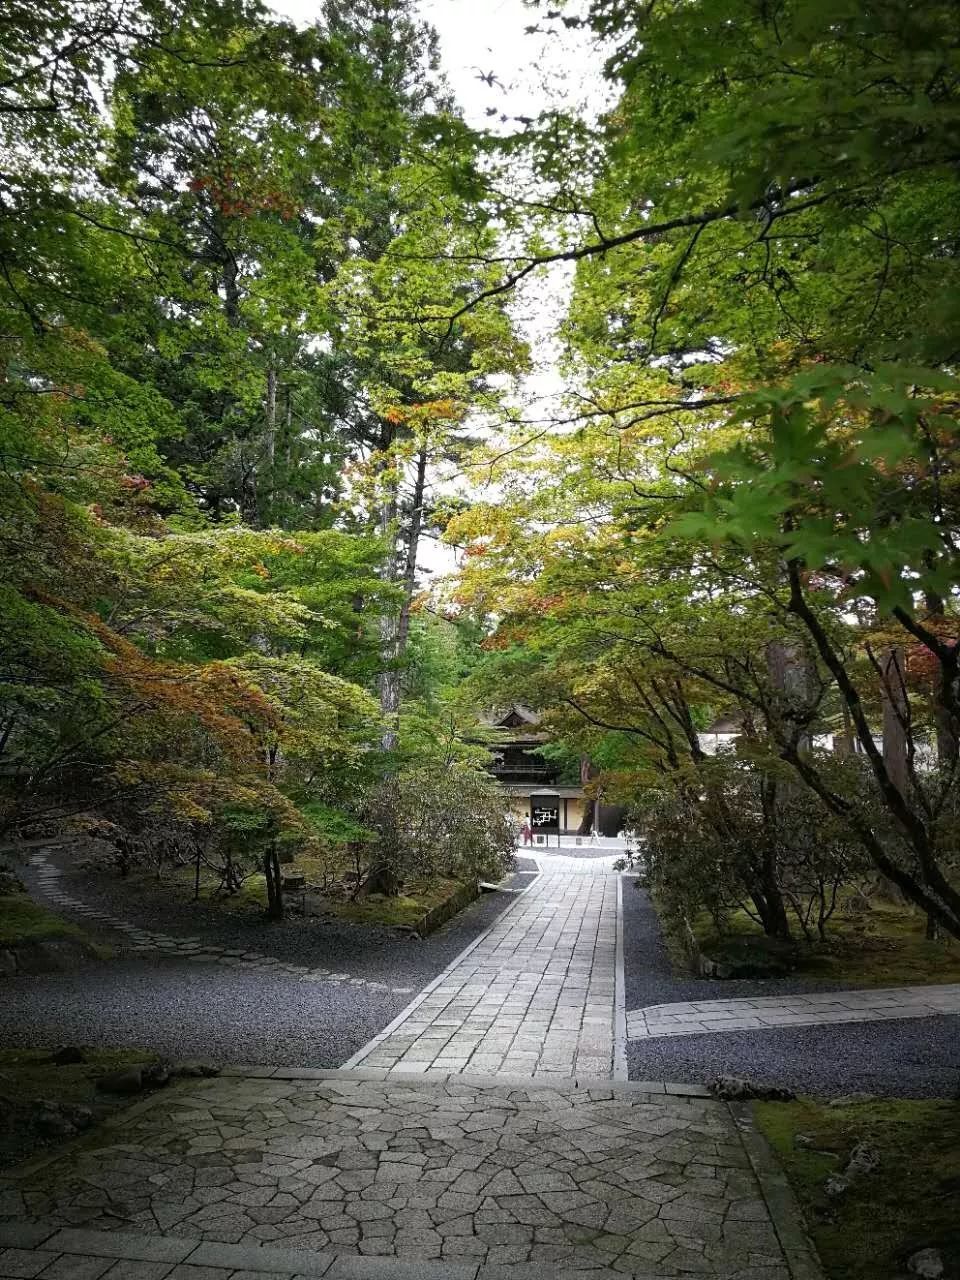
[[749, 509], [198, 425], [443, 818], [729, 837]]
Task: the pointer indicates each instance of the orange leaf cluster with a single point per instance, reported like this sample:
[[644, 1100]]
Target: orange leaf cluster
[[223, 192], [214, 696], [424, 411]]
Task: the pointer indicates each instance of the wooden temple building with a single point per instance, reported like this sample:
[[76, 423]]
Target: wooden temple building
[[531, 781]]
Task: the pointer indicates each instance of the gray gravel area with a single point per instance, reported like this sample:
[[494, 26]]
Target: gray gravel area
[[911, 1058], [183, 1010], [236, 1015], [915, 1058]]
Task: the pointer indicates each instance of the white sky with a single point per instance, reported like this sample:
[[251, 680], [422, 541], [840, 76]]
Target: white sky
[[533, 69], [479, 36]]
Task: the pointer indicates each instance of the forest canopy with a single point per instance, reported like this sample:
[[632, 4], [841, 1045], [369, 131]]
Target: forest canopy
[[260, 341], [218, 429], [746, 512]]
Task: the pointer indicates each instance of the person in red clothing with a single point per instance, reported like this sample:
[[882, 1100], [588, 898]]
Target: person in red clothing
[[526, 832]]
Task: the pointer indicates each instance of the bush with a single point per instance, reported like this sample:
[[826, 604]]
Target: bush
[[731, 834], [440, 819]]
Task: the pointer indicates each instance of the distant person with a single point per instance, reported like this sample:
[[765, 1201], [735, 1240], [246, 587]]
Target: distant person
[[526, 832]]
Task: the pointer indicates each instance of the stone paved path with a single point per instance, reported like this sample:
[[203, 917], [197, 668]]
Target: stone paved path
[[313, 1173], [49, 880], [535, 996], [768, 1012]]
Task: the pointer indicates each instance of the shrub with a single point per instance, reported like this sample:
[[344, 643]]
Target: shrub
[[731, 834], [441, 819]]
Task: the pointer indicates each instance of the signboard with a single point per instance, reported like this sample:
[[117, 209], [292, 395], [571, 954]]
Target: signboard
[[545, 813]]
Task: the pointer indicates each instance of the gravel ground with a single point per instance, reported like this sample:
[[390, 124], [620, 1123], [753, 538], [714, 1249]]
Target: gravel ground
[[916, 1058], [235, 1015], [184, 1011], [913, 1058]]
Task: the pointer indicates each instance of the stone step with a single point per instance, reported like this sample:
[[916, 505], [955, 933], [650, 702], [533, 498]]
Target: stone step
[[25, 1246]]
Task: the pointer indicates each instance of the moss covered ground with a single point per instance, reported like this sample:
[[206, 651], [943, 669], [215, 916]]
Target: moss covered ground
[[23, 920], [404, 910], [884, 946], [28, 1075], [911, 1201]]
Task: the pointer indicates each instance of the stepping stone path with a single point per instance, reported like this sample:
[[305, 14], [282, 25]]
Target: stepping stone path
[[196, 950], [305, 1173]]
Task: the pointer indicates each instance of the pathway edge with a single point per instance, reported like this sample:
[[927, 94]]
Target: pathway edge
[[620, 1068], [803, 1261], [356, 1059]]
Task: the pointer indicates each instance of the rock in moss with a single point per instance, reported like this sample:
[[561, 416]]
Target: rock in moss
[[60, 1119], [740, 1089], [68, 1055], [194, 1069], [127, 1081], [928, 1264]]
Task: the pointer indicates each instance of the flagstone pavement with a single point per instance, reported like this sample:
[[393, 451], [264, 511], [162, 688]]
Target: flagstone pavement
[[302, 1173], [815, 1009]]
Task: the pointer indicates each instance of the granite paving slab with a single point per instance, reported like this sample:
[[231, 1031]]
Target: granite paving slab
[[536, 996], [818, 1008]]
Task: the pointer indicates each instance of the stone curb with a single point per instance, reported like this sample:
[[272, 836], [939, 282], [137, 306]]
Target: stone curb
[[357, 1059], [782, 1204], [176, 1252], [474, 1080], [621, 1069]]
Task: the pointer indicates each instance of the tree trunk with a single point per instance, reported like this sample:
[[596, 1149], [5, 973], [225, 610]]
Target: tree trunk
[[395, 628], [789, 671], [388, 679], [948, 738], [274, 878], [894, 699], [895, 710], [231, 290], [265, 497], [767, 891], [587, 820], [382, 879], [844, 742], [413, 547]]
